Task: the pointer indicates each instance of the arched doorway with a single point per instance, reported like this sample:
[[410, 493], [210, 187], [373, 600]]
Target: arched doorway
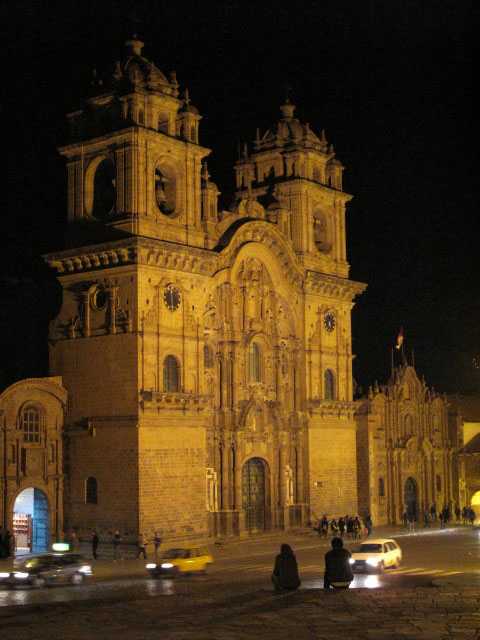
[[411, 498], [253, 489], [31, 521]]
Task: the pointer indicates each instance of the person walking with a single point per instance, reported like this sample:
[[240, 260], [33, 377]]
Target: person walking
[[433, 512], [337, 566], [142, 546], [341, 526], [457, 513], [350, 528], [285, 572], [117, 543], [471, 516], [324, 526], [442, 517], [357, 528], [464, 515], [157, 541], [368, 525], [426, 517], [95, 541], [411, 521], [334, 527], [405, 520], [74, 542]]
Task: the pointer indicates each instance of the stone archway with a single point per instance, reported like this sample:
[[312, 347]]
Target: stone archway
[[254, 492], [411, 498], [31, 520]]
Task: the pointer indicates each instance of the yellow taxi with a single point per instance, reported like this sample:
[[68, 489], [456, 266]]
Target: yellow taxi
[[180, 560]]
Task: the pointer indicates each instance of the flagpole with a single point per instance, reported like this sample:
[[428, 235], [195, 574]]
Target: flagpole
[[392, 362], [403, 348], [413, 359]]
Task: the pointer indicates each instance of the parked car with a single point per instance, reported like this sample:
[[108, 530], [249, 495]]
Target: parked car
[[47, 569], [185, 560], [376, 555]]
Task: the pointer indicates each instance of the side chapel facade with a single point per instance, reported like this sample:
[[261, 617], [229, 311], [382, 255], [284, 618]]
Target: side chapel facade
[[407, 450]]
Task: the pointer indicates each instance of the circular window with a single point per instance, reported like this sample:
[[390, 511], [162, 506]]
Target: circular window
[[99, 300]]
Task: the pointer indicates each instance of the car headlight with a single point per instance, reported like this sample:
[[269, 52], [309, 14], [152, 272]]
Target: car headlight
[[151, 565], [167, 565], [351, 561], [86, 568], [372, 561], [20, 575], [4, 575]]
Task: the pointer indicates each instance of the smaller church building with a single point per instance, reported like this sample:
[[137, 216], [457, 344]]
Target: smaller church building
[[407, 450]]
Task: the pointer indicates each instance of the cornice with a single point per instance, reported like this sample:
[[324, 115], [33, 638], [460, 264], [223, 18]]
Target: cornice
[[136, 250], [332, 286]]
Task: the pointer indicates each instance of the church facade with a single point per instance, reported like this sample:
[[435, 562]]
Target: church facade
[[207, 354], [407, 451], [201, 361]]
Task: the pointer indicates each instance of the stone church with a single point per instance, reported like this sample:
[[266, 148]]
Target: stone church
[[206, 353], [407, 450]]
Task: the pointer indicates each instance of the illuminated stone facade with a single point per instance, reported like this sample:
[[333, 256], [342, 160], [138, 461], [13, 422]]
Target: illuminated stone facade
[[207, 353], [32, 416], [407, 450]]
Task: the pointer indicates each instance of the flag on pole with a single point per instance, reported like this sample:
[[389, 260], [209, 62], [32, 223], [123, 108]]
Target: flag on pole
[[400, 338]]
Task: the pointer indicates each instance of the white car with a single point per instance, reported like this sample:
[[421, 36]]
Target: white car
[[376, 555]]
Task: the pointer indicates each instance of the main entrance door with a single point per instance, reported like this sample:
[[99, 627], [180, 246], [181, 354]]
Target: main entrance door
[[253, 486], [411, 498]]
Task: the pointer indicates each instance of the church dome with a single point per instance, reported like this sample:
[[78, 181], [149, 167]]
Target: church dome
[[290, 131], [137, 70]]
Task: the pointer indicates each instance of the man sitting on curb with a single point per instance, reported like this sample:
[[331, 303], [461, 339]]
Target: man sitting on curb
[[285, 573], [338, 570]]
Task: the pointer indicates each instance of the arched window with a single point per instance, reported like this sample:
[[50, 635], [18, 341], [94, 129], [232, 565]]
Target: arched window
[[207, 357], [30, 424], [254, 363], [170, 374], [329, 385], [320, 232], [439, 484], [91, 491], [104, 189], [165, 189], [381, 487], [141, 118]]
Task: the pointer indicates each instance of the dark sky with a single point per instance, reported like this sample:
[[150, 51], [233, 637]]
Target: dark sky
[[393, 85]]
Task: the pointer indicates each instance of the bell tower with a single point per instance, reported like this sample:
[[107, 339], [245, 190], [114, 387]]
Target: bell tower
[[297, 167], [134, 163]]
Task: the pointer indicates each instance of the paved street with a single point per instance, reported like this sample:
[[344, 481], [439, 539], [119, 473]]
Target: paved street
[[434, 594]]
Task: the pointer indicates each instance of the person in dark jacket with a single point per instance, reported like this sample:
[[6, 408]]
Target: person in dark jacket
[[337, 566], [95, 542], [341, 526], [368, 525], [285, 573]]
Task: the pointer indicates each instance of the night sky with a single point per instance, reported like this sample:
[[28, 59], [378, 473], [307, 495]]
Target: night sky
[[393, 85]]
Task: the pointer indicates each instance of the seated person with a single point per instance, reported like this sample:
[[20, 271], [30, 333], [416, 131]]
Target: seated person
[[285, 573], [338, 569]]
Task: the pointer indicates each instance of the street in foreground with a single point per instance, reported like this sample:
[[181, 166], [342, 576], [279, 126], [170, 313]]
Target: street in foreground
[[434, 594]]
